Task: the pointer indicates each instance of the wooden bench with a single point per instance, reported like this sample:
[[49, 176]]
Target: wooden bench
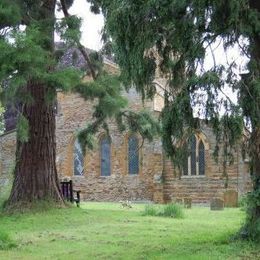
[[68, 193]]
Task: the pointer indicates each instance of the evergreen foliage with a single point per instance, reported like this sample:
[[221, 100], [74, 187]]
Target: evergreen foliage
[[178, 34]]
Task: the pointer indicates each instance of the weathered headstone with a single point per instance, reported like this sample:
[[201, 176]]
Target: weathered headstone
[[187, 203], [217, 204], [231, 198]]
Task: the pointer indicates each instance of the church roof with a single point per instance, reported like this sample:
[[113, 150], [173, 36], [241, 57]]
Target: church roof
[[68, 57], [72, 57]]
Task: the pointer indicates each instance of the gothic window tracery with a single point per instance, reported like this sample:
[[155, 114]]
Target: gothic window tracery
[[194, 163]]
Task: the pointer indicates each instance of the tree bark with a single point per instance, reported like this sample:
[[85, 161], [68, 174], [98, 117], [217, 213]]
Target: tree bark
[[35, 172], [35, 176]]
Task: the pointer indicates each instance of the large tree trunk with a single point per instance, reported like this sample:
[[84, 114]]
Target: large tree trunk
[[35, 171]]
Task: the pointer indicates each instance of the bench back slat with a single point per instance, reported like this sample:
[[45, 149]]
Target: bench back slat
[[68, 192]]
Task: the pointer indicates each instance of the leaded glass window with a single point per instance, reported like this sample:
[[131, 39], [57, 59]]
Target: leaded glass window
[[105, 147], [133, 155], [78, 159], [201, 158], [186, 161], [194, 162], [193, 154]]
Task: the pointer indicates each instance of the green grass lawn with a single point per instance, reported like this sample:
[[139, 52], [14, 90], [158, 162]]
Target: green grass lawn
[[108, 231]]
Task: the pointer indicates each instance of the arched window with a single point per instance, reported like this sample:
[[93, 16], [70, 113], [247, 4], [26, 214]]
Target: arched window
[[194, 163], [201, 158], [186, 160], [193, 146], [78, 159], [133, 155], [105, 152]]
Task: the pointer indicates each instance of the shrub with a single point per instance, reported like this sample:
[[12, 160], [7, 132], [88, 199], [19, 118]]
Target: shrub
[[5, 241], [173, 210], [170, 210]]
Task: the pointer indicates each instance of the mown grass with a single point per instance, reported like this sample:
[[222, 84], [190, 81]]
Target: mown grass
[[108, 231]]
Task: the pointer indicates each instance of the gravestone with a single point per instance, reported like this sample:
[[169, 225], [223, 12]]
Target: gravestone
[[187, 203], [231, 198], [216, 204]]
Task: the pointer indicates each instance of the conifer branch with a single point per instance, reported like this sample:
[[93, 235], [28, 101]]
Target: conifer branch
[[79, 45]]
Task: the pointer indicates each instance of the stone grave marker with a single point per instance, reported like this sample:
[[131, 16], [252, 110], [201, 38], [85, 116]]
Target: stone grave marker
[[187, 203], [217, 204], [231, 198]]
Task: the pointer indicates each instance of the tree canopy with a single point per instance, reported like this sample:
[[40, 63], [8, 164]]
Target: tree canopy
[[175, 36]]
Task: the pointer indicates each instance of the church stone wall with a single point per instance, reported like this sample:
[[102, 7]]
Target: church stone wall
[[214, 184], [73, 114], [120, 185], [7, 157]]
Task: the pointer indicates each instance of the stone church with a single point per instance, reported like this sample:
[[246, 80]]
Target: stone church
[[120, 168]]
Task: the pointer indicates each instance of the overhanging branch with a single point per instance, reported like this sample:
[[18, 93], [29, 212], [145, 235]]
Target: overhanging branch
[[79, 45]]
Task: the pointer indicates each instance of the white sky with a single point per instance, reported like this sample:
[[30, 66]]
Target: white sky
[[91, 24]]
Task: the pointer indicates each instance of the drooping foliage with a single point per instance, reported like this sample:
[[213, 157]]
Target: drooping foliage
[[175, 37]]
